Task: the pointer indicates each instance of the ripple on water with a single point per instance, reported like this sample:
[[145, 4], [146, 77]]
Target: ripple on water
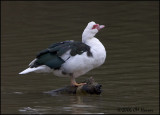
[[34, 110]]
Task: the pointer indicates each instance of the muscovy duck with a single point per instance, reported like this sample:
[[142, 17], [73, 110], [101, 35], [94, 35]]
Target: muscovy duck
[[71, 58]]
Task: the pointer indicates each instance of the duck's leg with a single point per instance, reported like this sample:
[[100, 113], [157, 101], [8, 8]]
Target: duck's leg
[[74, 83]]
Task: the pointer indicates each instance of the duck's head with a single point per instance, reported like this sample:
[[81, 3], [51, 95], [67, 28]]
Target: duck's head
[[91, 30]]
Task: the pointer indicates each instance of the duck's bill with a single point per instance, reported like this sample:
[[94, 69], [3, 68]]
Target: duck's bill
[[100, 27]]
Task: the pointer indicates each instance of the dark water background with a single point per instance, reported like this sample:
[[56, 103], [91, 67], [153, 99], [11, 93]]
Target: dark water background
[[129, 76]]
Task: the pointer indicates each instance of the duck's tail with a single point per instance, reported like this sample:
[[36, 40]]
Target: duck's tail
[[39, 69], [28, 70]]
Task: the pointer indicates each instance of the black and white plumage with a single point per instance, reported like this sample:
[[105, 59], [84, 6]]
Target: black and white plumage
[[71, 58]]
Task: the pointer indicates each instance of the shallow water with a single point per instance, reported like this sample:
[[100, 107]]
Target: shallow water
[[129, 76]]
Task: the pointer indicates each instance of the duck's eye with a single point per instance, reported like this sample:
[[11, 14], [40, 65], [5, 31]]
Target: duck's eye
[[94, 26]]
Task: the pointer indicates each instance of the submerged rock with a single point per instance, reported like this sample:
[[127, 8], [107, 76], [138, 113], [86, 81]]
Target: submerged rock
[[91, 87]]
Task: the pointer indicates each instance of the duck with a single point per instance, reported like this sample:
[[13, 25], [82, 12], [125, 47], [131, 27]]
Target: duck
[[71, 58]]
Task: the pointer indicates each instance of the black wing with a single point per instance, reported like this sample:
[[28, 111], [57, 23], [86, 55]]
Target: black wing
[[51, 55]]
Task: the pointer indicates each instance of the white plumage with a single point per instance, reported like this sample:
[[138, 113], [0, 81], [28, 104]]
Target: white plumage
[[78, 59]]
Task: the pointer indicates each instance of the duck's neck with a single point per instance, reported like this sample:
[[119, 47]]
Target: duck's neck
[[92, 42], [87, 35]]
